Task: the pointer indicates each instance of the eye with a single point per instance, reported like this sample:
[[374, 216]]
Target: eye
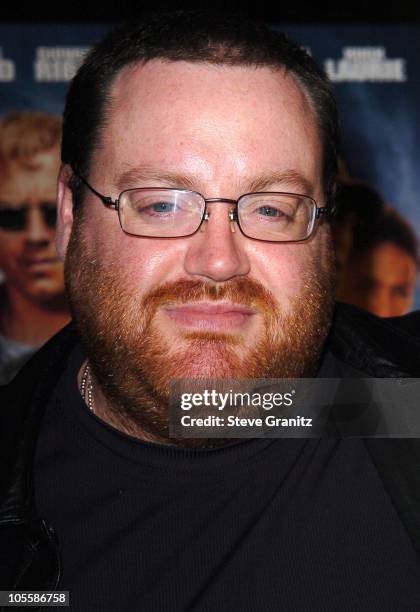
[[50, 213], [162, 207], [268, 208], [151, 207], [400, 291], [12, 219], [270, 211]]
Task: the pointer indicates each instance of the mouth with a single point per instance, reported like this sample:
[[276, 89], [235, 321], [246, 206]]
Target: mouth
[[39, 264], [210, 317]]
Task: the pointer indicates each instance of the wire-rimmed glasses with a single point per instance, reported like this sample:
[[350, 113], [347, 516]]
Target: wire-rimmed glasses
[[164, 212]]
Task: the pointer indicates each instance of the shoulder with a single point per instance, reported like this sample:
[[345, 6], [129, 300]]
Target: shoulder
[[385, 348], [42, 369], [377, 347], [23, 399]]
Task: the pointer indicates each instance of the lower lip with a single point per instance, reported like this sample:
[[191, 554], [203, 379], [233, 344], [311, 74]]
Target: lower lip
[[226, 321], [41, 265]]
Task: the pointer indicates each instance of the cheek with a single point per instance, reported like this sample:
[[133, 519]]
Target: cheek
[[101, 238], [147, 262], [141, 262], [404, 300], [284, 268], [11, 248]]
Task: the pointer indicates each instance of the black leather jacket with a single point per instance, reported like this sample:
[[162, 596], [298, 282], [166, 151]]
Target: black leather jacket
[[29, 552]]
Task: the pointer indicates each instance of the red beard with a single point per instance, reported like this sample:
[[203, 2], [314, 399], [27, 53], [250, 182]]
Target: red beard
[[133, 362]]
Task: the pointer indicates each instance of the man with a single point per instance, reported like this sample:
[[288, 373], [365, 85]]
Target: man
[[32, 300], [198, 167]]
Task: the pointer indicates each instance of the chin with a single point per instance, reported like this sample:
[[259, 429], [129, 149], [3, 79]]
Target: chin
[[45, 292]]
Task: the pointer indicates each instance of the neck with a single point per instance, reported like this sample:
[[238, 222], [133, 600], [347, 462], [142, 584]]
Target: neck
[[30, 322], [101, 408]]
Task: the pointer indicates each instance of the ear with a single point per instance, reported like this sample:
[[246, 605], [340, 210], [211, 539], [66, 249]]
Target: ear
[[64, 212]]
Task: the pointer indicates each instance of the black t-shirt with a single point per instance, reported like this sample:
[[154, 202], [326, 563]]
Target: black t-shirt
[[260, 525]]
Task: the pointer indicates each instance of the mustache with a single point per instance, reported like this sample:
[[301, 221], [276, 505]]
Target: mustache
[[244, 291]]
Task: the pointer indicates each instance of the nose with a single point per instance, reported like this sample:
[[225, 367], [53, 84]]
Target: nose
[[216, 252], [37, 232]]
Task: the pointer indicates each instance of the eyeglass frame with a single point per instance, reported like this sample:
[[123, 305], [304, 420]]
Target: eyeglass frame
[[233, 214]]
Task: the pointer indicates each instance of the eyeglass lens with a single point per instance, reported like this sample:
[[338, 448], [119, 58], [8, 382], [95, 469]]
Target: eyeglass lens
[[175, 213]]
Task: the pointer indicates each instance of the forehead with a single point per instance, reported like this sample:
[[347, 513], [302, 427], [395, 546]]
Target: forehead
[[209, 120], [23, 181], [391, 264]]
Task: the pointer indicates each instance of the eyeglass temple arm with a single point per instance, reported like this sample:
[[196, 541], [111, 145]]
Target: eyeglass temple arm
[[108, 201], [322, 210]]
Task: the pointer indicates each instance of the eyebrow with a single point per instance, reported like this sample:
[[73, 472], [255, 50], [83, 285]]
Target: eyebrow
[[285, 179], [20, 205], [291, 178], [147, 174]]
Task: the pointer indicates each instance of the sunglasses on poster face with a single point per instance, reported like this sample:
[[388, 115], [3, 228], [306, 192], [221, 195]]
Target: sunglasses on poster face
[[15, 219]]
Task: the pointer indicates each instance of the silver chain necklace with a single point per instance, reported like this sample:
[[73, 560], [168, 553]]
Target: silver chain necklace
[[86, 387]]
